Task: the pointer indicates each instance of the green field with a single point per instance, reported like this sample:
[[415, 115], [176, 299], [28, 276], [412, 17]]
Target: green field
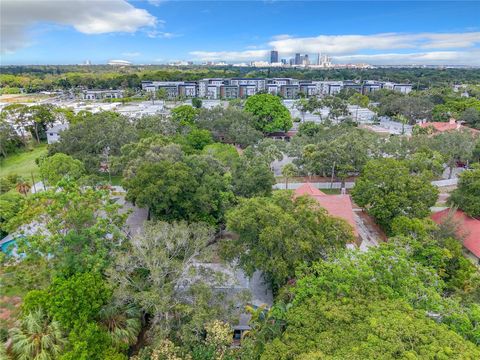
[[23, 163]]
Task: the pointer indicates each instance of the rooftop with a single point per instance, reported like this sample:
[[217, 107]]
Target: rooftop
[[469, 229], [336, 205]]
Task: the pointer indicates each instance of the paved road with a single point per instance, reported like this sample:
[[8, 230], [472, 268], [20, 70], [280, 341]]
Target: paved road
[[349, 185]]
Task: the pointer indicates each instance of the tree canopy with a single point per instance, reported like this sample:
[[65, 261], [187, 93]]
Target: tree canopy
[[278, 234], [269, 113], [387, 189], [467, 195]]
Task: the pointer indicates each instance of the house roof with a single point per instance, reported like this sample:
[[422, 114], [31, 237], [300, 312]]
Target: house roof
[[336, 205], [469, 228], [446, 126], [308, 189]]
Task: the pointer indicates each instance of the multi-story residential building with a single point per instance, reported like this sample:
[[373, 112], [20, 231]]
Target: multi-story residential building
[[259, 83], [308, 88], [289, 91], [352, 85], [272, 89], [247, 90], [288, 88], [403, 88], [370, 86], [102, 94], [229, 91], [188, 89], [334, 87]]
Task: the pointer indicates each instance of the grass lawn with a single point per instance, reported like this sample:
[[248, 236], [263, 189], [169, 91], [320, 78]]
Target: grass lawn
[[23, 163], [331, 191]]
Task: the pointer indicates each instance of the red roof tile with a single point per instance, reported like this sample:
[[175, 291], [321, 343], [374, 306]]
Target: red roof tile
[[308, 189], [446, 126], [469, 229], [336, 205]]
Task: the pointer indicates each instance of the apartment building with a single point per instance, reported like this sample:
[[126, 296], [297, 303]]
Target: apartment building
[[403, 88], [102, 94], [288, 88]]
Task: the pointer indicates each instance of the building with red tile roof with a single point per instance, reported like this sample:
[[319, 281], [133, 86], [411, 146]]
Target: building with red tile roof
[[468, 230], [447, 126], [336, 205], [308, 189]]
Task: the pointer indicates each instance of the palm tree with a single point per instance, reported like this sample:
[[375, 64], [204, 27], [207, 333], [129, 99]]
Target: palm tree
[[122, 324], [288, 171], [37, 338]]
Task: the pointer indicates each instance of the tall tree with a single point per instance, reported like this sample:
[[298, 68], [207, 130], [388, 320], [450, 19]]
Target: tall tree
[[56, 167], [269, 112], [387, 189], [87, 140], [467, 195], [37, 337], [278, 234]]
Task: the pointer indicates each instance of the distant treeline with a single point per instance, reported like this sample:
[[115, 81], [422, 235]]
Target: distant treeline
[[51, 77]]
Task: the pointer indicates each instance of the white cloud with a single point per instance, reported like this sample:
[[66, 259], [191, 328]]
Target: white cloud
[[86, 16], [344, 44], [422, 58], [389, 48]]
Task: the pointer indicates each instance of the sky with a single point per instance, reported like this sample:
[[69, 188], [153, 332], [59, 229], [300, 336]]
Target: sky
[[160, 31]]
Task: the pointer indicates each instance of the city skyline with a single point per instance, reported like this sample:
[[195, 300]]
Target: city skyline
[[158, 32]]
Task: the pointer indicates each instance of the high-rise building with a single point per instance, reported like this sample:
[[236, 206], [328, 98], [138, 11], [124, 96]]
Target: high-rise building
[[298, 59], [274, 56], [305, 60]]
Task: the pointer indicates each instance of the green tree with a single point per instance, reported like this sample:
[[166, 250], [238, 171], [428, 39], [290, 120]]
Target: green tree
[[184, 115], [225, 153], [58, 166], [10, 206], [9, 139], [17, 114], [467, 195], [321, 328], [37, 337], [289, 171], [454, 146], [471, 117], [252, 177], [122, 323], [150, 274], [80, 227], [426, 160], [88, 140], [161, 94], [337, 107], [197, 139], [230, 125], [194, 188], [359, 100], [278, 234], [269, 113], [387, 189], [78, 299], [196, 103]]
